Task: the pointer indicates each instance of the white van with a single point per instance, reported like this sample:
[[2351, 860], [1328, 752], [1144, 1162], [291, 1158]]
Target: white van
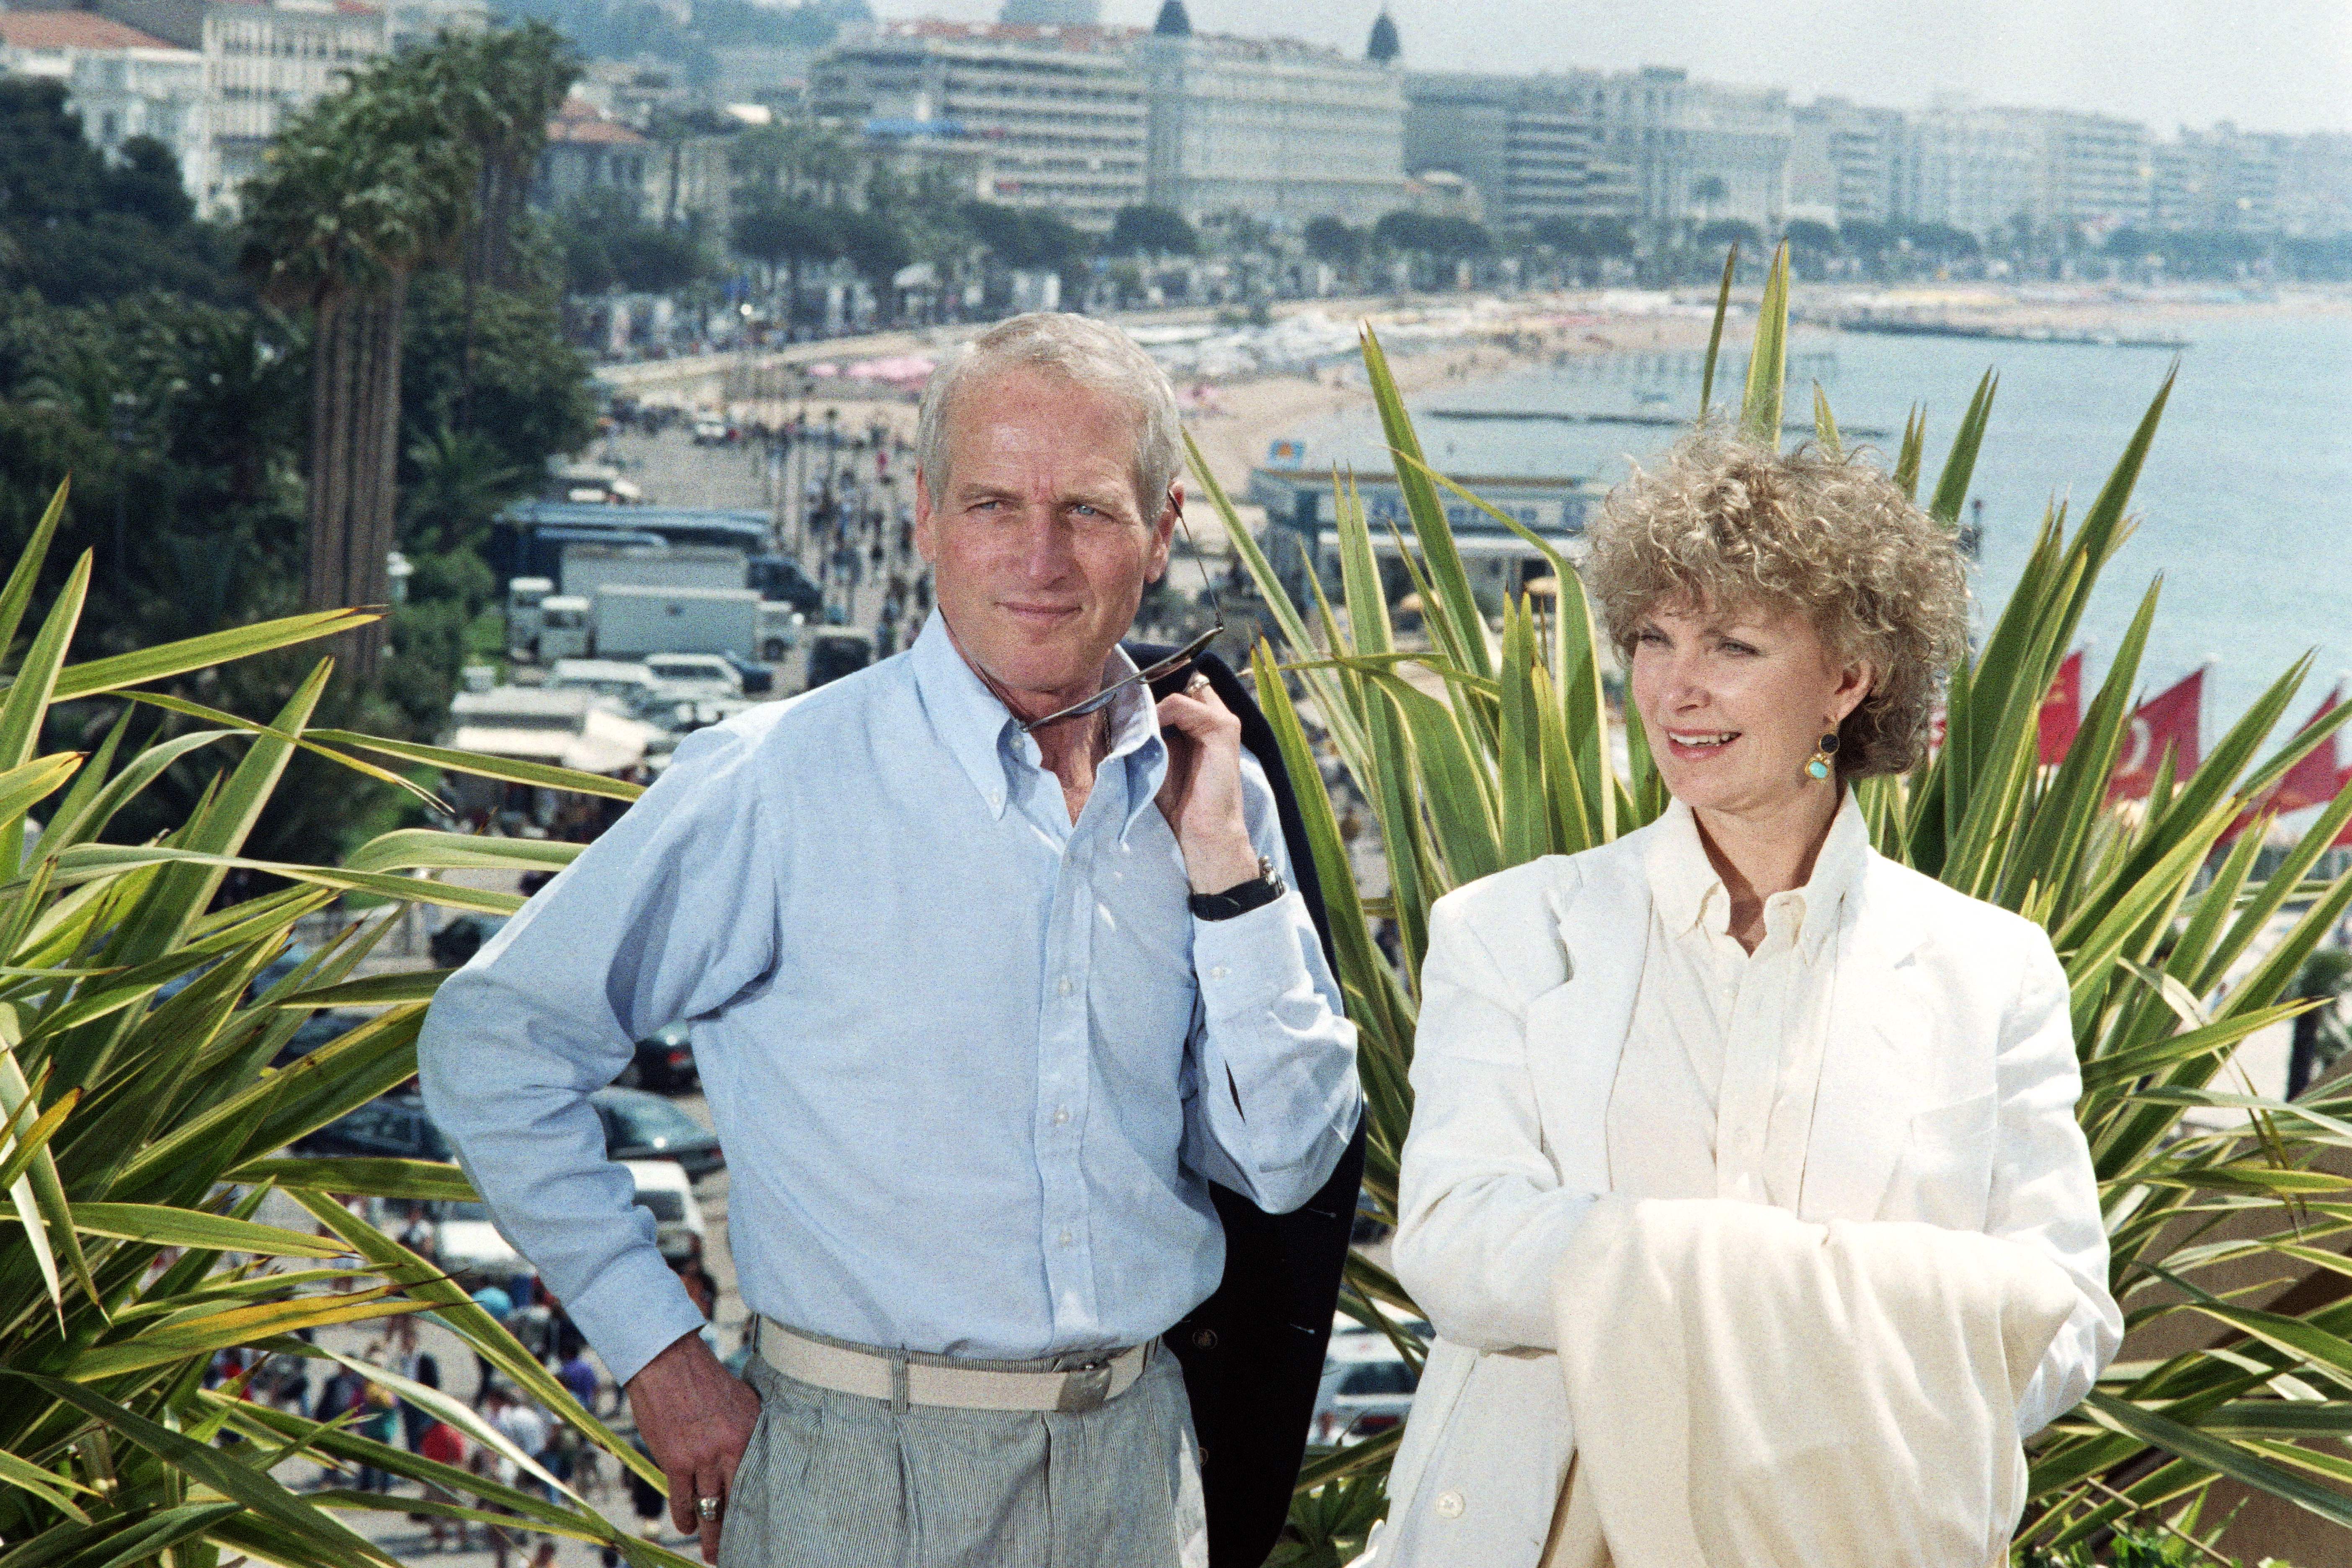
[[664, 1188], [684, 676]]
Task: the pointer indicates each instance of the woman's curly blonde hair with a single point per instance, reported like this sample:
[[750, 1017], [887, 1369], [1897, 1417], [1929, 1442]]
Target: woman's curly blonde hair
[[1725, 522]]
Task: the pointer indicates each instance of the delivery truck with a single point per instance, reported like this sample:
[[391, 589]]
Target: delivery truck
[[632, 621]]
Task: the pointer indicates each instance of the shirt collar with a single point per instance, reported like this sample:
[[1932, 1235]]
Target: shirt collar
[[980, 734], [1689, 893]]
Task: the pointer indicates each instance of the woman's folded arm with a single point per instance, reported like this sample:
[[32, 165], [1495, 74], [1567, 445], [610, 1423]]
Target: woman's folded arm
[[1483, 1221]]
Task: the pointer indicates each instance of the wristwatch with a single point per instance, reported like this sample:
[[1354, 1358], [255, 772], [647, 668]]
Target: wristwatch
[[1256, 893]]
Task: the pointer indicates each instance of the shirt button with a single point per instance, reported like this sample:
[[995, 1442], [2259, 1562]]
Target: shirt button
[[1064, 987], [1061, 1114], [1216, 971], [1449, 1505], [1065, 1239]]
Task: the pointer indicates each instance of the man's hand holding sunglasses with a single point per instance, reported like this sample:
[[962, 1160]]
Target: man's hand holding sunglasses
[[1201, 797]]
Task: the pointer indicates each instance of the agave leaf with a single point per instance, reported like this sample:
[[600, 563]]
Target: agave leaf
[[1767, 365], [203, 1335], [1905, 473], [453, 1307], [17, 595], [58, 1491], [421, 849], [1715, 332], [182, 706], [351, 1175], [167, 1225], [138, 669], [1826, 430], [1454, 614], [2217, 1455], [1952, 489], [256, 1492], [27, 700]]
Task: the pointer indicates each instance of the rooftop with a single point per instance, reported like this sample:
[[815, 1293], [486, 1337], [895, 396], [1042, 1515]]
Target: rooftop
[[72, 30], [581, 123]]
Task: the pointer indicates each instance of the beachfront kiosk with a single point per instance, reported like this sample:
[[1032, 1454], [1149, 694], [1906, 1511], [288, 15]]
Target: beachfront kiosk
[[1302, 533]]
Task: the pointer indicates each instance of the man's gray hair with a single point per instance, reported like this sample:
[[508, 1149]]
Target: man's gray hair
[[1096, 356]]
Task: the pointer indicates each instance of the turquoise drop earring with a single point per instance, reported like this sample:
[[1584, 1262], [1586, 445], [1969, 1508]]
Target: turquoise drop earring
[[1819, 764]]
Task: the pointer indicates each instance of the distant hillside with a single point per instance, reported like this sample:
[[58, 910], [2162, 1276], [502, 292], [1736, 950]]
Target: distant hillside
[[687, 32]]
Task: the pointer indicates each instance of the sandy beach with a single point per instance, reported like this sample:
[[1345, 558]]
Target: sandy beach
[[1432, 341]]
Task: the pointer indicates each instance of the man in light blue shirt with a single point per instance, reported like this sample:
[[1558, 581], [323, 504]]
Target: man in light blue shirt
[[982, 1006]]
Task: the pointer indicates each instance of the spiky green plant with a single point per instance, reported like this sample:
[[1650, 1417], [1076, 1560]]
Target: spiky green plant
[[139, 1134], [2148, 913]]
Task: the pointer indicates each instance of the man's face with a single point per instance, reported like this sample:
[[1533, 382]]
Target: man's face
[[1039, 547]]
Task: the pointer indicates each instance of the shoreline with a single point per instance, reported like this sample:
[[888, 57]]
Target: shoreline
[[1254, 411], [1440, 340]]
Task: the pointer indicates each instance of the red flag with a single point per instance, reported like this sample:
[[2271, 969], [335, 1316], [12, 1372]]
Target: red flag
[[2061, 710], [2169, 719], [2313, 781]]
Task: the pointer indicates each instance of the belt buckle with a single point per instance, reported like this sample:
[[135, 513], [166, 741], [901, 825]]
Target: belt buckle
[[1085, 1388]]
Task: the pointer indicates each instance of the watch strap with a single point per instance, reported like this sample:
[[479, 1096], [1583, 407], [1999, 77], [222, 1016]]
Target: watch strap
[[1256, 893]]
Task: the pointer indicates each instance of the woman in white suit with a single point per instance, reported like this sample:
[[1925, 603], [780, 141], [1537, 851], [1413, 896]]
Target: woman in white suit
[[1741, 1004]]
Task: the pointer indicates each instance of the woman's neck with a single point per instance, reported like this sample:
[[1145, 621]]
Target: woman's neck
[[1760, 853]]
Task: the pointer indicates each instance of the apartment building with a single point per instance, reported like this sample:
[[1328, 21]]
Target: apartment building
[[1532, 147], [1058, 112], [263, 63], [121, 81], [1844, 159], [1278, 130]]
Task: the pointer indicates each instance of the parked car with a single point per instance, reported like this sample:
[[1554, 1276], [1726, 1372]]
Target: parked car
[[393, 1126], [712, 433], [664, 1063], [461, 937], [466, 1241], [1367, 1386], [665, 1191], [833, 653], [758, 680], [643, 1126], [781, 578], [684, 676]]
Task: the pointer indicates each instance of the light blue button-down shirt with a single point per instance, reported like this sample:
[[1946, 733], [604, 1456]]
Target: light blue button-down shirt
[[973, 1064]]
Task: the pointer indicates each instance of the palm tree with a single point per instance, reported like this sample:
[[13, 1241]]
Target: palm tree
[[423, 159], [360, 192]]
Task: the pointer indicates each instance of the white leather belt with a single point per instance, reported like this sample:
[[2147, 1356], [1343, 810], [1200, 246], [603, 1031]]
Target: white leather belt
[[893, 1378]]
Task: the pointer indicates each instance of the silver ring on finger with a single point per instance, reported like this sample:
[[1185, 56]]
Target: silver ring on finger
[[707, 1507]]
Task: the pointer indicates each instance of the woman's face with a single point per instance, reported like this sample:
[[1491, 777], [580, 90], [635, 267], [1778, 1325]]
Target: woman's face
[[1733, 702]]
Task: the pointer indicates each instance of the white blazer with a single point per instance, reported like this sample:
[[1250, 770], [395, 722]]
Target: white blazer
[[1946, 1095]]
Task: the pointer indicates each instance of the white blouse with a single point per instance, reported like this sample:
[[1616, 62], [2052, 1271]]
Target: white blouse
[[1714, 1093]]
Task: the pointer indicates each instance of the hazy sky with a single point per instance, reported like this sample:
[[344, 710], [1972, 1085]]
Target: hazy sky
[[2270, 65]]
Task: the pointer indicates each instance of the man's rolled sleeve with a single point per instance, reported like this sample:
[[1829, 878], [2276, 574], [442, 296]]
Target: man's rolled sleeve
[[668, 917], [1277, 1093]]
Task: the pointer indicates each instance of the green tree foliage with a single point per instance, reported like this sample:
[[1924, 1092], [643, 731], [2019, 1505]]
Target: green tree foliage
[[1154, 231], [78, 231], [2176, 951], [1420, 233], [208, 390], [1329, 239], [606, 244], [142, 1130], [1028, 237]]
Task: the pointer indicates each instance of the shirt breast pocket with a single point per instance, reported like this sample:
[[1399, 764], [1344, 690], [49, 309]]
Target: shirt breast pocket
[[1946, 1170]]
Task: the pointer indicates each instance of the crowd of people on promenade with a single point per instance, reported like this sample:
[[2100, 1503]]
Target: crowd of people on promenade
[[390, 1393]]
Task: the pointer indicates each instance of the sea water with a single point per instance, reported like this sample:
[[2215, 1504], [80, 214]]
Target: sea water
[[2245, 506]]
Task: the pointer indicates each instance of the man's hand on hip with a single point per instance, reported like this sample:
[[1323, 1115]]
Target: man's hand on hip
[[1202, 799], [697, 1417]]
